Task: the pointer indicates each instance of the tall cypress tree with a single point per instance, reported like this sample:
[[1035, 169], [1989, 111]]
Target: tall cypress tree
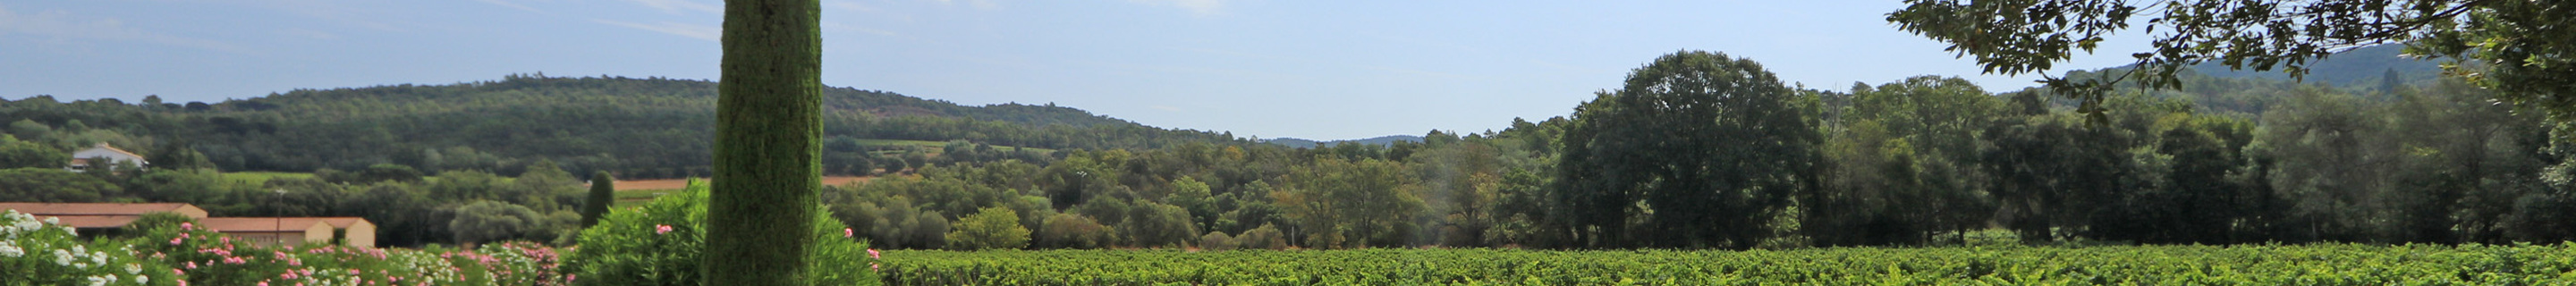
[[768, 148], [603, 191]]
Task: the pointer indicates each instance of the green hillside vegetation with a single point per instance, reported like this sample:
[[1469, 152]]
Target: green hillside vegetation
[[2373, 67], [637, 127], [1924, 161]]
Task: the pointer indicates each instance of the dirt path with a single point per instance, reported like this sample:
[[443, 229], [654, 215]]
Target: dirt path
[[674, 184]]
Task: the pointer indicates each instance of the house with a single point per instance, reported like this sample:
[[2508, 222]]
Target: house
[[106, 156], [96, 218], [350, 231], [104, 209]]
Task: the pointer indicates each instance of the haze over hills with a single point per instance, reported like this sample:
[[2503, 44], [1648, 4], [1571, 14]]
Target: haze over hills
[[1308, 143], [2357, 68]]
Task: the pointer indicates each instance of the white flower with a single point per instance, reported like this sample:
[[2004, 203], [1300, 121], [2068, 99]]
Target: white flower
[[100, 258], [62, 257], [7, 250], [53, 220], [142, 280], [131, 268]]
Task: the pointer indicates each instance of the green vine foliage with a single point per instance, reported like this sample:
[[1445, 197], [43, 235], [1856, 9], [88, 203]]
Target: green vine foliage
[[2317, 264]]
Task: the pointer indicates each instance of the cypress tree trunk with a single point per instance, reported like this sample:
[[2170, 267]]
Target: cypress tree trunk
[[768, 148], [603, 192]]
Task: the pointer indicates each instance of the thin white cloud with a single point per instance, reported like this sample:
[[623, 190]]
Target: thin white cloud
[[829, 27], [61, 24], [318, 35], [680, 6], [506, 3], [702, 32], [1197, 7], [978, 4], [852, 6]]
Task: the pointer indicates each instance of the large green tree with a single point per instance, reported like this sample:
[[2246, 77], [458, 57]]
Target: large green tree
[[1902, 164], [1698, 147], [2519, 47], [29, 154], [769, 143]]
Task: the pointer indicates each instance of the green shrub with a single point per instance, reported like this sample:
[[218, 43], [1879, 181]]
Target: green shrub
[[1264, 237], [1216, 241], [1069, 230], [993, 227], [660, 243], [34, 252]]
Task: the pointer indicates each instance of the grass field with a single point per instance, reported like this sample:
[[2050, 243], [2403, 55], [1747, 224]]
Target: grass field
[[636, 192], [936, 147], [261, 178], [2322, 264]]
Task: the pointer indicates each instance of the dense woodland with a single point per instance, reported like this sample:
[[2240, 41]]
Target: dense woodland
[[1696, 150], [646, 128]]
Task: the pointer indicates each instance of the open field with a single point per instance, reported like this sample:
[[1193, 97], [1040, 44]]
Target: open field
[[261, 178], [675, 184], [936, 147], [2323, 264], [636, 192]]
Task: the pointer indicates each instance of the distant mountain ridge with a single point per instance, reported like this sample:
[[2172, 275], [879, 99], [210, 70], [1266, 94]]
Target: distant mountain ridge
[[1306, 143], [2358, 68], [653, 127]]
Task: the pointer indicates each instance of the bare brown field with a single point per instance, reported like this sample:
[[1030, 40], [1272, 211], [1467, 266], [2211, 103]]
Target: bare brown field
[[674, 184]]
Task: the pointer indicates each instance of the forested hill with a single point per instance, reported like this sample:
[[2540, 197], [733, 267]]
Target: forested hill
[[650, 127], [2363, 68], [1388, 140]]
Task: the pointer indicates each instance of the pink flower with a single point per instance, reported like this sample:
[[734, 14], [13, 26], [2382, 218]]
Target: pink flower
[[183, 282], [353, 272], [872, 266], [174, 241], [846, 232], [872, 254], [178, 272], [661, 229], [184, 225], [263, 283], [192, 265]]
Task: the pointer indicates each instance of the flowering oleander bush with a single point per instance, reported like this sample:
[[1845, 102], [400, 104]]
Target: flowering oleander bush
[[198, 256], [658, 244], [34, 252]]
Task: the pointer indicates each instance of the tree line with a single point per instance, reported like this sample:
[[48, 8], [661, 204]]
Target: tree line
[[636, 127], [1695, 150], [1700, 150]]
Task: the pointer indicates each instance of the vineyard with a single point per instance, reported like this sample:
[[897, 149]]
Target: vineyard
[[2328, 264]]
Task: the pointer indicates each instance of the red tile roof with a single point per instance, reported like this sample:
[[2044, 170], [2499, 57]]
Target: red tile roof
[[80, 209], [257, 224], [95, 221]]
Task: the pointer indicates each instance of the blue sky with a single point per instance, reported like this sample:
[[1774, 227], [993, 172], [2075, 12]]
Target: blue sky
[[1306, 69]]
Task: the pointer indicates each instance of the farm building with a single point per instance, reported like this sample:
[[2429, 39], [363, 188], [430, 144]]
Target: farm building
[[105, 156], [97, 218]]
